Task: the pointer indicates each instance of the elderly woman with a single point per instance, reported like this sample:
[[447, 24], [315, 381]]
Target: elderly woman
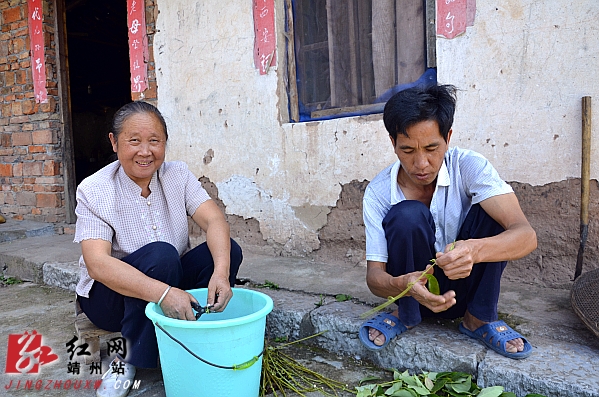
[[133, 229]]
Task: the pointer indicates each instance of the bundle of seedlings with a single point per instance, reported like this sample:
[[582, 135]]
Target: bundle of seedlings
[[282, 373]]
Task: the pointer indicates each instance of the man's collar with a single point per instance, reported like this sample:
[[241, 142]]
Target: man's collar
[[397, 195]]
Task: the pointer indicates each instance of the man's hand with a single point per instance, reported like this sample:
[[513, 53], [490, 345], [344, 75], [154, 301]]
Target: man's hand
[[457, 260], [436, 303], [219, 293], [177, 304]]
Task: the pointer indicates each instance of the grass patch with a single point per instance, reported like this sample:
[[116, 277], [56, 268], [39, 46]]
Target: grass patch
[[4, 281]]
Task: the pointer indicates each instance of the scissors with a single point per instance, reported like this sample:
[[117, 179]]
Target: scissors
[[202, 309]]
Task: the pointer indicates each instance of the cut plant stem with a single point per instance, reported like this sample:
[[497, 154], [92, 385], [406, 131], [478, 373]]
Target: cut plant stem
[[392, 299]]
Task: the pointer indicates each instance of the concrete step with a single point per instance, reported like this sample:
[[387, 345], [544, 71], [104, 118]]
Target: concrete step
[[15, 230]]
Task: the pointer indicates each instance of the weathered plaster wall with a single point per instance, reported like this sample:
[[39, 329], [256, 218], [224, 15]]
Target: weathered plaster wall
[[522, 69], [224, 122]]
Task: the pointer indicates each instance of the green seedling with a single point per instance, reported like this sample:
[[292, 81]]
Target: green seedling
[[343, 297], [10, 280], [268, 284], [321, 301]]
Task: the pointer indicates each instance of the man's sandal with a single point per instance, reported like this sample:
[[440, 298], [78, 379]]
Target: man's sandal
[[495, 335], [386, 324]]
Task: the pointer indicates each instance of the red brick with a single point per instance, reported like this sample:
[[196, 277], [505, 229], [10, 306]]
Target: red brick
[[36, 211], [18, 217], [17, 169], [29, 106], [18, 45], [12, 14], [44, 137], [6, 109], [68, 229], [21, 138], [17, 108], [21, 76], [26, 198], [48, 200], [51, 168], [9, 78], [9, 198], [50, 106], [3, 48], [31, 169], [5, 140], [5, 169], [36, 149]]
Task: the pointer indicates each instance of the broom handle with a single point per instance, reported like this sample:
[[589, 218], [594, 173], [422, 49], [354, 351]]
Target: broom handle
[[584, 181]]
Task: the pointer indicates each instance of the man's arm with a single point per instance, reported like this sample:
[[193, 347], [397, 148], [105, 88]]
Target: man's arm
[[384, 285], [518, 240]]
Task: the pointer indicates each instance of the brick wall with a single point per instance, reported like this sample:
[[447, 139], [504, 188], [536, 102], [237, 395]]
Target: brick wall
[[31, 169], [30, 151]]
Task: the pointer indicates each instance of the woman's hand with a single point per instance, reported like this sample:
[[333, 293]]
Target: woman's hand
[[177, 304], [219, 292]]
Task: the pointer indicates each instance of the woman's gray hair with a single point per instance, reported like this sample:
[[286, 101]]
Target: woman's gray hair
[[129, 110]]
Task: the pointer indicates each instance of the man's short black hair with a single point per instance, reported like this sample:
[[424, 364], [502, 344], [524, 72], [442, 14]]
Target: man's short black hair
[[416, 104]]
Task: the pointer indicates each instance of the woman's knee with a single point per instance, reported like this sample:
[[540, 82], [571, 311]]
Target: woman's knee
[[236, 253], [159, 260]]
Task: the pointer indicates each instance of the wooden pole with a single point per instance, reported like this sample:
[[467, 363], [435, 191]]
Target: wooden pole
[[585, 176]]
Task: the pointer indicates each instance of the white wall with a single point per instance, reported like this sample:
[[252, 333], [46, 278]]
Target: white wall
[[523, 68]]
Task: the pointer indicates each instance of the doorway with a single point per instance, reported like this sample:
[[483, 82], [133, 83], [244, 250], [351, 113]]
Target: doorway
[[99, 78]]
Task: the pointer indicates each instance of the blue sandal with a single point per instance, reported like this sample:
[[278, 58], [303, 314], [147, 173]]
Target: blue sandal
[[386, 324], [498, 333]]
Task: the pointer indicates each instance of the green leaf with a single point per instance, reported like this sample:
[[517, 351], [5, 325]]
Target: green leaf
[[433, 284], [404, 393], [438, 385], [461, 387], [397, 386], [510, 394], [365, 391], [421, 390], [428, 383], [368, 379], [343, 297], [494, 391]]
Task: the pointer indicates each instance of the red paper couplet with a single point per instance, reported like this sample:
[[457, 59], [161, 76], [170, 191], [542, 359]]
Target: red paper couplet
[[36, 37], [264, 30], [138, 45], [451, 17]]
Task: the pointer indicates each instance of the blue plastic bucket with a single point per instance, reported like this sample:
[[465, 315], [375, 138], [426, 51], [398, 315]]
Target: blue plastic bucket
[[231, 338]]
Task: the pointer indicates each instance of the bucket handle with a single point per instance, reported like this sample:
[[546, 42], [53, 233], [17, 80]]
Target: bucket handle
[[234, 367]]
